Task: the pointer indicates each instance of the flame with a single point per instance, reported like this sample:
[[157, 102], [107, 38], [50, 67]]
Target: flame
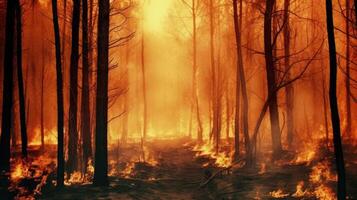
[[128, 169], [74, 178], [300, 192], [278, 194], [21, 170], [222, 159], [321, 173]]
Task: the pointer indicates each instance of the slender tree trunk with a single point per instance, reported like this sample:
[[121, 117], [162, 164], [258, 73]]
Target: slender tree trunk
[[7, 88], [348, 71], [85, 112], [143, 82], [60, 109], [340, 165], [101, 143], [195, 74], [270, 72], [215, 107], [289, 89], [20, 79], [73, 87], [240, 73]]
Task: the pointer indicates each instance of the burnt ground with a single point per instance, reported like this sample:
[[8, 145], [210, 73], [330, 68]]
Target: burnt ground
[[179, 174]]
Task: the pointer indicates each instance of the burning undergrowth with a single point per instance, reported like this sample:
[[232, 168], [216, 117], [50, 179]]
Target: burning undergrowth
[[29, 176], [222, 158]]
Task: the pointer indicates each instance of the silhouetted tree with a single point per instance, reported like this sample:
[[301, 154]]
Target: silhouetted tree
[[242, 82], [60, 109], [335, 119], [85, 112], [73, 93], [101, 143], [20, 79], [270, 72], [7, 95]]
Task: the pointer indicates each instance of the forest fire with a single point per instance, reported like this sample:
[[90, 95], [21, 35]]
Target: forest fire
[[188, 99], [221, 159]]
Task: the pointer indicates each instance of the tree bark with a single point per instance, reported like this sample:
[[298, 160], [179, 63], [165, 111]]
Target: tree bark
[[241, 74], [20, 79], [73, 87], [340, 165], [270, 72], [7, 96], [289, 89], [85, 112], [101, 143]]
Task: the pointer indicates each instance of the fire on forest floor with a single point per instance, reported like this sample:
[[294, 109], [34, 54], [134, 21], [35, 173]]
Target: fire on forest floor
[[171, 170]]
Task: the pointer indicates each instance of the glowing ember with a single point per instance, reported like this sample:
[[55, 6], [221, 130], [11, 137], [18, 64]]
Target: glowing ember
[[278, 194]]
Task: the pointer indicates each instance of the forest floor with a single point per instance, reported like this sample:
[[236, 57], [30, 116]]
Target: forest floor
[[175, 170]]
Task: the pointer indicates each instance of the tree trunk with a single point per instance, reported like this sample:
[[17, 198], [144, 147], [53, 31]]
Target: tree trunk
[[20, 79], [240, 73], [215, 107], [101, 146], [270, 72], [348, 72], [340, 165], [60, 109], [143, 82], [195, 74], [85, 112], [73, 87], [289, 89], [7, 88]]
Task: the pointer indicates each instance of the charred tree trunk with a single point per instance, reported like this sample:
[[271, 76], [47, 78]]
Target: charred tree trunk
[[270, 72], [348, 71], [7, 88], [101, 146], [20, 79], [60, 109], [340, 165], [240, 73], [289, 89], [73, 87], [85, 112]]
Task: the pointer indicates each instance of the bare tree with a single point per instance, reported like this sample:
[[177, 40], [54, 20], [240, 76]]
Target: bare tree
[[85, 111], [340, 165], [60, 109], [270, 72], [20, 80], [73, 96], [101, 143], [7, 96]]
